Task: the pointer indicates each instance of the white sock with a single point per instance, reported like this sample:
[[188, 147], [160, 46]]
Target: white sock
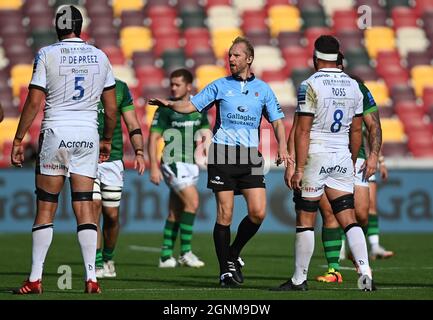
[[42, 236], [87, 237], [358, 247], [374, 241], [304, 248]]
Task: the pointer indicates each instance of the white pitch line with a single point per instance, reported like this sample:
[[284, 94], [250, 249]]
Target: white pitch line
[[144, 249], [382, 268]]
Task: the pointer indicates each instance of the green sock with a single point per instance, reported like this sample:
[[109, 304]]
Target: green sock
[[170, 234], [99, 263], [186, 223], [331, 239], [108, 254], [373, 225]]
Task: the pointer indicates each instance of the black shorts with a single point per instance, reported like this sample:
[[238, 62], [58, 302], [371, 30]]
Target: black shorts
[[240, 168]]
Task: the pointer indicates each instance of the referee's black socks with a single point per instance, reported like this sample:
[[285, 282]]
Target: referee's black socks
[[221, 238], [246, 230]]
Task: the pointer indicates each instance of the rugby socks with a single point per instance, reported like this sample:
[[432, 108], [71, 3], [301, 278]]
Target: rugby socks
[[186, 224], [108, 254], [246, 230], [99, 260], [42, 236], [358, 247], [373, 230], [365, 230], [221, 238], [304, 248], [331, 239], [87, 237], [169, 238]]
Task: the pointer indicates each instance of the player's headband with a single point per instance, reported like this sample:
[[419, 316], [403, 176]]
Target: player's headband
[[326, 56]]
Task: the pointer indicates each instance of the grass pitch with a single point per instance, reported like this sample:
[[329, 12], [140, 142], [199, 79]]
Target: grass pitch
[[269, 262]]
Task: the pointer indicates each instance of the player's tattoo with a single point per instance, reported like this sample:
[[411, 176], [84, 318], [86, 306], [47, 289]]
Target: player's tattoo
[[375, 137]]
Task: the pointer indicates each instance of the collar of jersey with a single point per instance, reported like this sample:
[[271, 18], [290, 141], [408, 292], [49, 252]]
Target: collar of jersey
[[330, 70], [250, 78], [72, 40]]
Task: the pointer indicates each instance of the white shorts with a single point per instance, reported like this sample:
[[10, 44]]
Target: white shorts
[[360, 180], [63, 151], [372, 178], [110, 173], [333, 170], [180, 175]]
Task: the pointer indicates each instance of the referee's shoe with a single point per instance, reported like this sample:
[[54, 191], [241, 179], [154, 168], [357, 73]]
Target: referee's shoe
[[227, 281]]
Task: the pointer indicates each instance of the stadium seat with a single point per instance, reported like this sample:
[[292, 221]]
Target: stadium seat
[[120, 5], [166, 42], [386, 112], [115, 55], [21, 75], [392, 130], [366, 73], [422, 76], [404, 17], [377, 39], [391, 4], [356, 57], [135, 39], [142, 58], [379, 17], [415, 58], [222, 39], [254, 20], [401, 92], [330, 6], [411, 39], [349, 39], [196, 39], [222, 17], [345, 20], [289, 39], [295, 57], [283, 18], [299, 75], [379, 91], [11, 4], [173, 59], [205, 74], [284, 92], [259, 37], [42, 38], [203, 57], [192, 17], [132, 18], [243, 5], [408, 109], [262, 56], [423, 6], [125, 73], [313, 16], [9, 126]]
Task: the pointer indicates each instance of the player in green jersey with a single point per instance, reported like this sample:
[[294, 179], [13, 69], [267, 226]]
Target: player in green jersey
[[108, 184], [178, 167]]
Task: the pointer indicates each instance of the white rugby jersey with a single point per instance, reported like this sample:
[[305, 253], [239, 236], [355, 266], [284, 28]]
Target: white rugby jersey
[[333, 99], [73, 75]]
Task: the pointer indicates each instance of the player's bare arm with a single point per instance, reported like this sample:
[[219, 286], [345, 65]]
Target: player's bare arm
[[31, 107], [355, 135], [108, 98], [374, 135], [155, 171], [302, 144], [181, 106], [280, 135], [136, 138]]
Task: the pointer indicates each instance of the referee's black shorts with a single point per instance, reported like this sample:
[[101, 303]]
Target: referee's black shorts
[[234, 168]]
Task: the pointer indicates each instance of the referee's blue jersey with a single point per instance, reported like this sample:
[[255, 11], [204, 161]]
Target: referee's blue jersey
[[240, 106]]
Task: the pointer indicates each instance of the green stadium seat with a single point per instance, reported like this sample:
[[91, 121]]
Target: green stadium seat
[[299, 75], [357, 56], [192, 17], [172, 59], [313, 16], [42, 37]]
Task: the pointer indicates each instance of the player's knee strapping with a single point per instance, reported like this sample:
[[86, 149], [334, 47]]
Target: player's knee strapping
[[342, 203], [97, 190], [111, 196], [82, 196], [306, 205], [43, 195]]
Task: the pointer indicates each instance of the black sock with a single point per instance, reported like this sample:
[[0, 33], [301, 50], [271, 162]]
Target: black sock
[[221, 238], [246, 230]]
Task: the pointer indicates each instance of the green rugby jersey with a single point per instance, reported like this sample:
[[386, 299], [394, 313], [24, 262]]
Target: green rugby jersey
[[178, 131], [124, 103], [369, 106]]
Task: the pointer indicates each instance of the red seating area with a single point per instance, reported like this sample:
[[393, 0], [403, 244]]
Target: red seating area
[[182, 34]]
